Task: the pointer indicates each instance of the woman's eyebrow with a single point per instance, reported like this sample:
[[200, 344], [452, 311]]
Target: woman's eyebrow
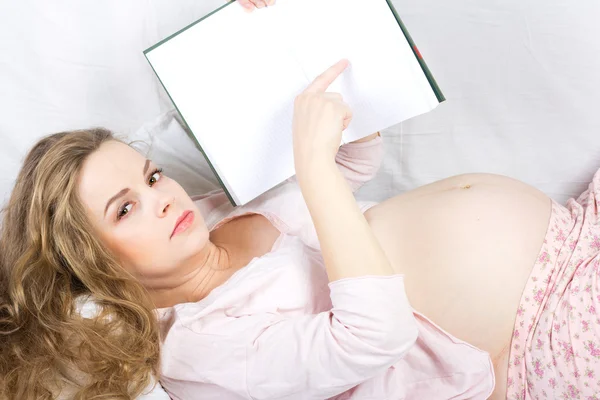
[[146, 167], [124, 191], [115, 197]]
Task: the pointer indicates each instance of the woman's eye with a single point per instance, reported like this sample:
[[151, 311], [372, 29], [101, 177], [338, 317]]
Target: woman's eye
[[124, 210], [155, 177]]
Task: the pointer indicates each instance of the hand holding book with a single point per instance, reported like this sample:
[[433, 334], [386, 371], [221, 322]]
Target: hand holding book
[[250, 5]]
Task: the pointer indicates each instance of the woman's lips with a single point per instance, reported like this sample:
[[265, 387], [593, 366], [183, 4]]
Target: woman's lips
[[183, 222]]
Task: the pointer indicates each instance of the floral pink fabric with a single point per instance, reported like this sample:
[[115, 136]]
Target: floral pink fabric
[[555, 351]]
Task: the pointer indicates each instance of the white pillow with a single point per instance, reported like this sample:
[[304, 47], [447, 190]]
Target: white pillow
[[167, 142]]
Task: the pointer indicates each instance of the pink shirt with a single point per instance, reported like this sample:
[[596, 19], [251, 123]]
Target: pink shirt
[[277, 329]]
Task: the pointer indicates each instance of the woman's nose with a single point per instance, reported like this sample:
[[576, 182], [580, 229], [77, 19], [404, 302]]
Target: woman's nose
[[165, 201]]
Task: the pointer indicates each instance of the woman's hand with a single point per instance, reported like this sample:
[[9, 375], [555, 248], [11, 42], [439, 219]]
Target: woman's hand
[[250, 5], [319, 120]]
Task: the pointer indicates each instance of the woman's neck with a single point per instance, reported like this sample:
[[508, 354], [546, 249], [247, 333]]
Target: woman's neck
[[214, 267]]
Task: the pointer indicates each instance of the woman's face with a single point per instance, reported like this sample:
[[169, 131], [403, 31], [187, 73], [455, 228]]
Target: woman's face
[[135, 209]]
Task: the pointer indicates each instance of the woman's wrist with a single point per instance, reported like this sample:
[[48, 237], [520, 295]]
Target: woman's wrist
[[312, 167]]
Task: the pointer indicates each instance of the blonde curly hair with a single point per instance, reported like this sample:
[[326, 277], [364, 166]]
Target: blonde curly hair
[[49, 258]]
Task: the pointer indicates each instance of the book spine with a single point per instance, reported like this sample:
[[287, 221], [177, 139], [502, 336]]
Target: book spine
[[434, 86], [193, 136]]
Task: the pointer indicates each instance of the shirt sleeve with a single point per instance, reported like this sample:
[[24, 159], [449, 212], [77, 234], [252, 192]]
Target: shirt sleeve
[[269, 356], [358, 162]]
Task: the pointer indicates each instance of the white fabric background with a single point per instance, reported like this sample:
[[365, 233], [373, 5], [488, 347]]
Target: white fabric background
[[522, 78]]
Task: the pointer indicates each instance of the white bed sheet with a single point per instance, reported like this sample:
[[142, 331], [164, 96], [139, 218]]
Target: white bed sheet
[[522, 78]]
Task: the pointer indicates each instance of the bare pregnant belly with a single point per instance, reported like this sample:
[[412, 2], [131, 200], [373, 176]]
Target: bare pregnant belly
[[466, 246]]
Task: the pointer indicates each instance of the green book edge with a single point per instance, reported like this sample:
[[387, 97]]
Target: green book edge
[[436, 89], [188, 27]]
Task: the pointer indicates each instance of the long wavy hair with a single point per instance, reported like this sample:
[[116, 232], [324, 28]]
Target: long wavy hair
[[50, 258]]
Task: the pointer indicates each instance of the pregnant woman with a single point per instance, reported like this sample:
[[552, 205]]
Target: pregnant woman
[[302, 293]]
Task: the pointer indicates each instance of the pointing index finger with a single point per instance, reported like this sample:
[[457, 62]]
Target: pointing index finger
[[323, 81]]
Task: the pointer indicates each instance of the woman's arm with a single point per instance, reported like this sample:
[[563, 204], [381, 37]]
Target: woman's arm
[[359, 161], [349, 247], [369, 328], [227, 354]]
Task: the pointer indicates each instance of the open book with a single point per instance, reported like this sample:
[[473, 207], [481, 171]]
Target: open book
[[233, 76]]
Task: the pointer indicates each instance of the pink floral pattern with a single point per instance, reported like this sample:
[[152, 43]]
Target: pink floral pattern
[[555, 349]]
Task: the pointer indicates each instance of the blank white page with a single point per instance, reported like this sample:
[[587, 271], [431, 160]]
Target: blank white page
[[235, 89], [385, 84], [234, 76]]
